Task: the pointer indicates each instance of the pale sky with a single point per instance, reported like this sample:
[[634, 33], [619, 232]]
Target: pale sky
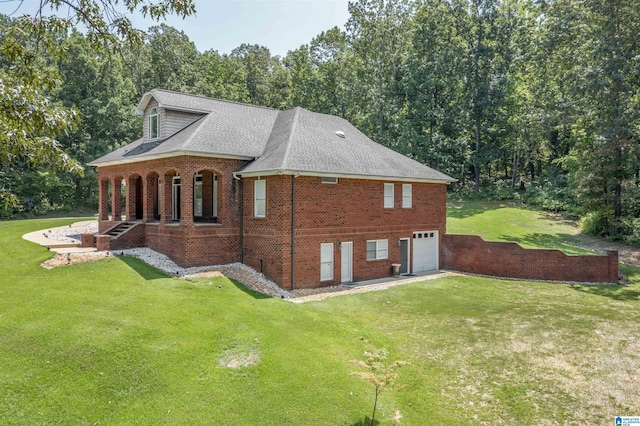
[[222, 25]]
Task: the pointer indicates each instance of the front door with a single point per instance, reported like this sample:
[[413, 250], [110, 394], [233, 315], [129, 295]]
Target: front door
[[346, 262]]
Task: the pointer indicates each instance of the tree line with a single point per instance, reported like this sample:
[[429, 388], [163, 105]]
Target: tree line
[[529, 100]]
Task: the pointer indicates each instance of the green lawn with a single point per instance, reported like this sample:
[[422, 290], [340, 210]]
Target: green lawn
[[116, 342], [504, 222]]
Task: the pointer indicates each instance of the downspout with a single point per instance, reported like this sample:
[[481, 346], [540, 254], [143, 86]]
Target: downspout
[[293, 229], [241, 196]]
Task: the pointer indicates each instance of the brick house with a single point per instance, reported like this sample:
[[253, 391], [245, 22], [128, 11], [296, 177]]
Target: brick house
[[304, 197]]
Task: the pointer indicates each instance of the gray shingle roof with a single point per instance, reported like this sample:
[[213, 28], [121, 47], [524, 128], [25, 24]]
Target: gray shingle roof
[[291, 141]]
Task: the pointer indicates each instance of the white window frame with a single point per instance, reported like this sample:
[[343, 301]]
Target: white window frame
[[382, 249], [197, 195], [329, 180], [214, 195], [259, 198], [389, 200], [326, 262], [407, 196], [153, 115]]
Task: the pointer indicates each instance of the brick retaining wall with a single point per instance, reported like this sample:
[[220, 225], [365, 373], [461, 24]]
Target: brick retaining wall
[[470, 253]]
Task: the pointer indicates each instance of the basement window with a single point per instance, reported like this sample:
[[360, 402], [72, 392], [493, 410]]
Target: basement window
[[326, 179], [377, 249]]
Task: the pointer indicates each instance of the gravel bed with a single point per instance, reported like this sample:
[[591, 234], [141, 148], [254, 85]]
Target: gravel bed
[[72, 233], [236, 271]]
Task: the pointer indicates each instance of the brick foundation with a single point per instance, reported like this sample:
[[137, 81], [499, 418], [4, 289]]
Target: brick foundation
[[103, 242], [88, 240], [470, 253]]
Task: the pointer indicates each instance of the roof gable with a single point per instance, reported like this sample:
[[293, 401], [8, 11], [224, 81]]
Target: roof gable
[[306, 142], [292, 141]]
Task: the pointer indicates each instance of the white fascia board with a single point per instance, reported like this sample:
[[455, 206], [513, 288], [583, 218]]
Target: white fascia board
[[143, 103], [140, 159], [147, 96], [275, 172]]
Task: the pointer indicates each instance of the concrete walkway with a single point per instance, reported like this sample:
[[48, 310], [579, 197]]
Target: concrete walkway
[[59, 246], [374, 285]]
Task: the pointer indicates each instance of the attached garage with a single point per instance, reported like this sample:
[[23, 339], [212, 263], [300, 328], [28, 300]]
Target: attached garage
[[425, 251]]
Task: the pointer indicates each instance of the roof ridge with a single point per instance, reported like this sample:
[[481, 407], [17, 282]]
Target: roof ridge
[[214, 99], [290, 137]]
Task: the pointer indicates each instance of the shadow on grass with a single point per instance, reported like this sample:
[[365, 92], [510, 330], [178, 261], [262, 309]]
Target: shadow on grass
[[464, 209], [366, 421], [145, 271], [615, 292], [562, 242], [252, 293]]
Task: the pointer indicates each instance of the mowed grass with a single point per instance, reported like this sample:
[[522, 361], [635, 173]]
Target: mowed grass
[[505, 222], [117, 342]]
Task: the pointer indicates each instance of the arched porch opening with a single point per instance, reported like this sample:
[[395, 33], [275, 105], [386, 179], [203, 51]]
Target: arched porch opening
[[118, 198], [153, 193], [172, 195], [134, 198], [206, 198]]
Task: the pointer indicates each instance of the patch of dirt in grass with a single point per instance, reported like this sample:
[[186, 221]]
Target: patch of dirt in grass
[[626, 254], [554, 374], [74, 258], [239, 357], [207, 274]]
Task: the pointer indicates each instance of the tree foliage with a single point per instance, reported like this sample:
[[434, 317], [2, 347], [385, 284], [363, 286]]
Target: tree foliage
[[533, 100], [31, 122]]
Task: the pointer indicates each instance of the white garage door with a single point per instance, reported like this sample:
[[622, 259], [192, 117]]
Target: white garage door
[[425, 251]]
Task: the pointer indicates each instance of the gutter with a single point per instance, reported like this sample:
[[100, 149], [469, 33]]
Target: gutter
[[293, 230], [241, 195]]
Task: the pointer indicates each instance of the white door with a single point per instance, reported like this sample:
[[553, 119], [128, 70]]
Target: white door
[[346, 262], [425, 251]]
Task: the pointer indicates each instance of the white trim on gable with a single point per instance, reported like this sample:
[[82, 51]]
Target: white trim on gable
[[275, 172]]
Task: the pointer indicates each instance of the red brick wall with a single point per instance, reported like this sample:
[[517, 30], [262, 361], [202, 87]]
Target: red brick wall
[[350, 211], [186, 242], [267, 241], [470, 253], [353, 211], [132, 237]]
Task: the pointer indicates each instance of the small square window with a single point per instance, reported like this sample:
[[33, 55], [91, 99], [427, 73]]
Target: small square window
[[377, 249]]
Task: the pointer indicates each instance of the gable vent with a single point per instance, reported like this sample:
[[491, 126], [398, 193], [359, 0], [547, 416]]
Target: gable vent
[[340, 134]]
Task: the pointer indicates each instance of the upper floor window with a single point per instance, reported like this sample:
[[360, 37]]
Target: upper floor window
[[407, 199], [388, 195], [259, 198], [154, 124]]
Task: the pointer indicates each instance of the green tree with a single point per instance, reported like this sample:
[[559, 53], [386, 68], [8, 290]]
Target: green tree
[[30, 123], [378, 32], [100, 87], [434, 113]]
